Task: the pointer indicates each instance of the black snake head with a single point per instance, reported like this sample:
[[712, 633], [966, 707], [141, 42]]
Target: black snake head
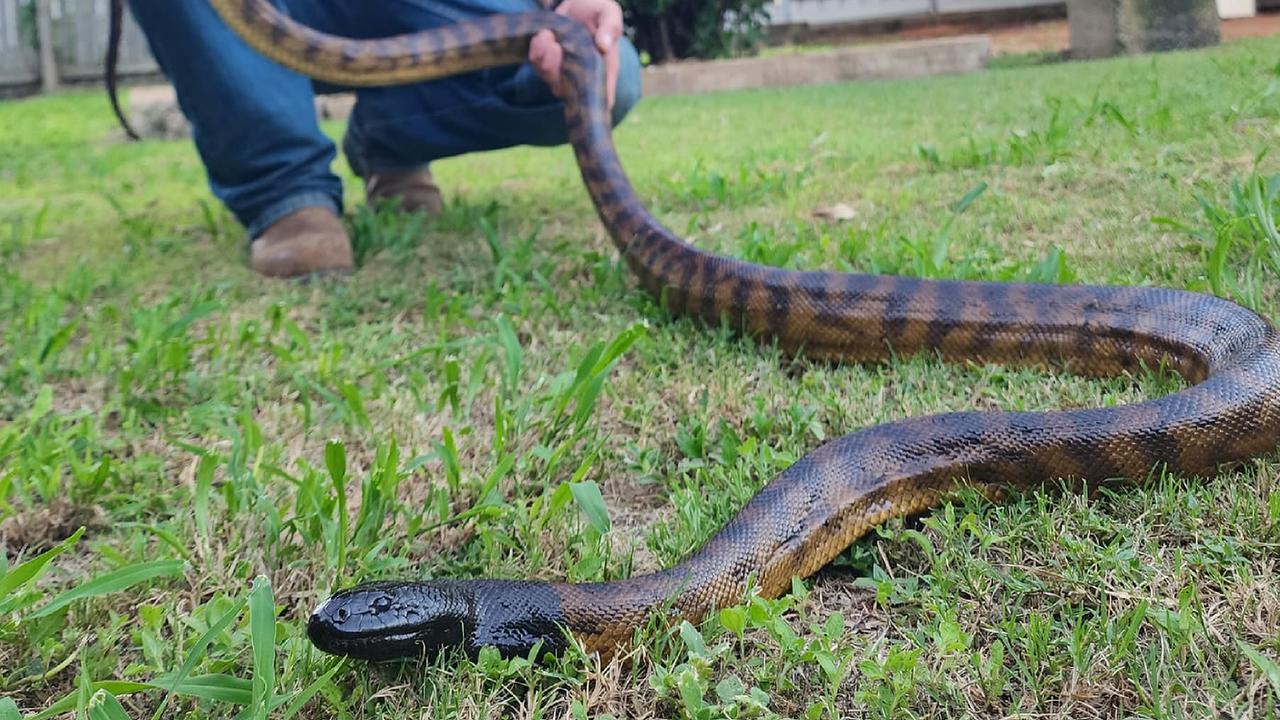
[[394, 620]]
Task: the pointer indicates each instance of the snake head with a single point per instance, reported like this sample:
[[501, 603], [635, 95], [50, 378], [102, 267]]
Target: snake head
[[384, 621], [394, 620]]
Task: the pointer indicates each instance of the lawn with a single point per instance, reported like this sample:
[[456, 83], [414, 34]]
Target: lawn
[[492, 395]]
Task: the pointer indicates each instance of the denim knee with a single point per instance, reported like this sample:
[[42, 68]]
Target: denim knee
[[630, 82]]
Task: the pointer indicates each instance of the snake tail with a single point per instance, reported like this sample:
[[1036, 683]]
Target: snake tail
[[111, 67]]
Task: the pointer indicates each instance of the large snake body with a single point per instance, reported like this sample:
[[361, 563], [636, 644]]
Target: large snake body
[[834, 495]]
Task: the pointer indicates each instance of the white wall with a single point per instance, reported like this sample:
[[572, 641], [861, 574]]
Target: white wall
[[830, 12]]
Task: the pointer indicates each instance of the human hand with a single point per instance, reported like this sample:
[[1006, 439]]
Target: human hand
[[604, 19]]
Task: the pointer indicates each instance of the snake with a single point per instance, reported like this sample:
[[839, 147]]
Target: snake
[[1227, 410]]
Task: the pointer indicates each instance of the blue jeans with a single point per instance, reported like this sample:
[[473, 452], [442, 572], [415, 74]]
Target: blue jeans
[[254, 122]]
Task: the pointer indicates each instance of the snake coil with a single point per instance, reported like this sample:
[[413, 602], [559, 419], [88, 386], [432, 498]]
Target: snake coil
[[815, 508]]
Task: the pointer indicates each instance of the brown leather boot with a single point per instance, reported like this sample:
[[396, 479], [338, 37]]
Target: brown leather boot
[[308, 242], [415, 190]]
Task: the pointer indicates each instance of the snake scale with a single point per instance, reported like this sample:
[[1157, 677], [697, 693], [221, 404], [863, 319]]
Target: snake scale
[[813, 510]]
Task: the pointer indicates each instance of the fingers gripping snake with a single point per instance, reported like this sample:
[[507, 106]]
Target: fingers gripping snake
[[818, 506]]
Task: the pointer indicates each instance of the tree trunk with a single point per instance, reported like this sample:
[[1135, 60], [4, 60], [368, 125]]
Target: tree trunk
[[1101, 28]]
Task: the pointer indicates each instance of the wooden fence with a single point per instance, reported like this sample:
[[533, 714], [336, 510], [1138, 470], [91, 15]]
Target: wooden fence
[[78, 43], [79, 32]]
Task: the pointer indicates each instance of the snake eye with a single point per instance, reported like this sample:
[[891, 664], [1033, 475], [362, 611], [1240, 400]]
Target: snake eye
[[382, 603], [342, 615]]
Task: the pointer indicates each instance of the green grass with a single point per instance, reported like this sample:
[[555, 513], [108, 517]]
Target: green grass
[[492, 395]]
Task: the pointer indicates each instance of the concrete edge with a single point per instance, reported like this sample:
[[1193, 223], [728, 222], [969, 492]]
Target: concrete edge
[[916, 58]]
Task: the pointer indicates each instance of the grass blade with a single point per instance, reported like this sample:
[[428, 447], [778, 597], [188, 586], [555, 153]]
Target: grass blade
[[1268, 666], [969, 198], [300, 699], [219, 687], [58, 341], [27, 571], [591, 503], [204, 487], [9, 709], [42, 405], [196, 653], [262, 633], [511, 347], [105, 706], [68, 702], [122, 579], [335, 459]]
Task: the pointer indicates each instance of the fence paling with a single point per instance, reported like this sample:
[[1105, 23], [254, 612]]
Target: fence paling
[[18, 62]]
